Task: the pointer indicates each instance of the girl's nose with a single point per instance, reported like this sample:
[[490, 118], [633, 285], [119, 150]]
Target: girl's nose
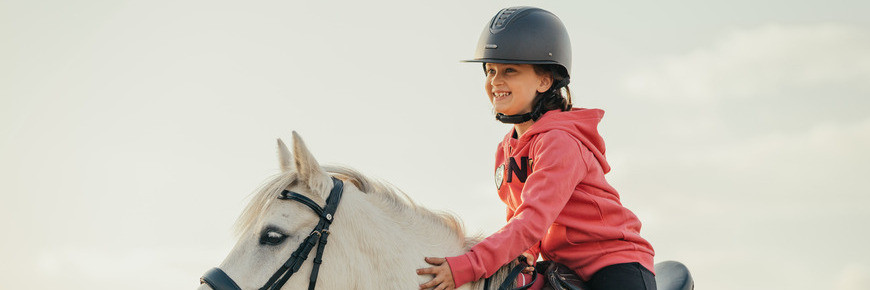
[[496, 79]]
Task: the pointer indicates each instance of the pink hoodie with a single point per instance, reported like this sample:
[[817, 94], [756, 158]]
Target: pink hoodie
[[558, 202]]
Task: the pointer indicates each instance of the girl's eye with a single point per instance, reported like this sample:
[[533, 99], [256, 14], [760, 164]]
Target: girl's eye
[[490, 71], [509, 70], [271, 237]]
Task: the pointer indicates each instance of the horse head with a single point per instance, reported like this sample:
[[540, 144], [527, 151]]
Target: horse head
[[278, 221]]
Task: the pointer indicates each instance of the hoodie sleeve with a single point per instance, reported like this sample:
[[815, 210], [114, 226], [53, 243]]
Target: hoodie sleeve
[[536, 248], [557, 168]]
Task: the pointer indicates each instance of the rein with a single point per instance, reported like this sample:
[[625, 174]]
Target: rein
[[217, 279], [511, 279]]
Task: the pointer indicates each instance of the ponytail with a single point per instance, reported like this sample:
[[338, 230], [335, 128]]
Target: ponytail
[[552, 99]]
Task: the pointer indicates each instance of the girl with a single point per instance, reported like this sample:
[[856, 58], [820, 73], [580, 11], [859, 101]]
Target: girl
[[549, 168]]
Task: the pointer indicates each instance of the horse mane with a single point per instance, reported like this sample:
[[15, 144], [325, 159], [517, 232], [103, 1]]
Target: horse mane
[[391, 197]]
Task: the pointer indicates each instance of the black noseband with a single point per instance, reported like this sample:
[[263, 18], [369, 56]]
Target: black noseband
[[218, 280]]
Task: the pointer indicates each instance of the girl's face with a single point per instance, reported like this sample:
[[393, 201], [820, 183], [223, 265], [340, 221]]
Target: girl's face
[[512, 87]]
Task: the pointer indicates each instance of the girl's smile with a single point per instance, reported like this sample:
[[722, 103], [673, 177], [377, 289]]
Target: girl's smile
[[512, 87]]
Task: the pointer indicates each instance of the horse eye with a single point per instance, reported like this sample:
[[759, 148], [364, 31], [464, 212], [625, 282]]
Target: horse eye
[[272, 237]]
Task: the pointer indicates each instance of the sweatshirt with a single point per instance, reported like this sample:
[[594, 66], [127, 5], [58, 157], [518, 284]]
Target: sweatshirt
[[558, 203]]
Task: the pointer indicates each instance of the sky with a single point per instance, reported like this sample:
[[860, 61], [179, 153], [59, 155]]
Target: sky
[[133, 132]]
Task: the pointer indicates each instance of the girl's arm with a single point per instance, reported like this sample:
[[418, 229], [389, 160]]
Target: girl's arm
[[557, 169]]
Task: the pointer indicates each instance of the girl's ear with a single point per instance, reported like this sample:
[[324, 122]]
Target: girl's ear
[[546, 82]]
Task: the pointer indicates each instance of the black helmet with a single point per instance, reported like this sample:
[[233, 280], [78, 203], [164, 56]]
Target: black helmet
[[526, 35]]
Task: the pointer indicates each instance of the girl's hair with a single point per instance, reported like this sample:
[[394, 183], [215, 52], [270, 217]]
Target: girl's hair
[[553, 98]]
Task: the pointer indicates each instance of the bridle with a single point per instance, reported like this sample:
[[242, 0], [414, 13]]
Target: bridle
[[218, 280]]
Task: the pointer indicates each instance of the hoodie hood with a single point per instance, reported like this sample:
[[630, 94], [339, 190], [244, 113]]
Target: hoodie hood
[[580, 123]]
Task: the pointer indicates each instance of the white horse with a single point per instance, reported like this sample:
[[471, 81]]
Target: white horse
[[378, 235]]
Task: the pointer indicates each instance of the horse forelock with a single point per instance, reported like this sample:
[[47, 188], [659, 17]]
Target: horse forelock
[[264, 195], [392, 199]]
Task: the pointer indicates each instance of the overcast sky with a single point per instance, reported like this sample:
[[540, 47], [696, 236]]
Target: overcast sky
[[132, 132]]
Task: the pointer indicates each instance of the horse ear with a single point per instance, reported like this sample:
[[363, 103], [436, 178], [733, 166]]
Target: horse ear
[[284, 157], [309, 170]]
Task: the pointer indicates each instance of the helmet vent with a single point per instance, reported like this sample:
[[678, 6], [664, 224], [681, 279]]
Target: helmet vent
[[502, 18]]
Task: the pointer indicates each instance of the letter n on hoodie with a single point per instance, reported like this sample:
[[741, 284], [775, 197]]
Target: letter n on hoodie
[[521, 169]]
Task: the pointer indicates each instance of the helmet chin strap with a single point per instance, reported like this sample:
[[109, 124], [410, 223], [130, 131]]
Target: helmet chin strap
[[522, 118], [513, 119]]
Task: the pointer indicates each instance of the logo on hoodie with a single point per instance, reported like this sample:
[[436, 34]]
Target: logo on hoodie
[[520, 169], [499, 176]]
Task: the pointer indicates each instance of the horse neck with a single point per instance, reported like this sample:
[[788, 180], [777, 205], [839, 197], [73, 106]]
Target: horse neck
[[382, 242]]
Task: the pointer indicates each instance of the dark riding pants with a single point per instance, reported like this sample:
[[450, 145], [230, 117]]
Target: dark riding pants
[[628, 276]]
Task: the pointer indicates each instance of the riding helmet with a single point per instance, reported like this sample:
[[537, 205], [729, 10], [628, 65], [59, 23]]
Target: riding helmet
[[527, 35]]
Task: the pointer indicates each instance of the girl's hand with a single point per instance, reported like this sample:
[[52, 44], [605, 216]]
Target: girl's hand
[[531, 268], [443, 277]]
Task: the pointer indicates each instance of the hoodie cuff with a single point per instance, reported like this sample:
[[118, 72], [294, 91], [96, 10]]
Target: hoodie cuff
[[460, 267], [534, 251], [534, 255]]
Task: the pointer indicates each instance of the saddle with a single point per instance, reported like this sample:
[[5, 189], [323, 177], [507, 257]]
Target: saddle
[[670, 275], [559, 277]]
